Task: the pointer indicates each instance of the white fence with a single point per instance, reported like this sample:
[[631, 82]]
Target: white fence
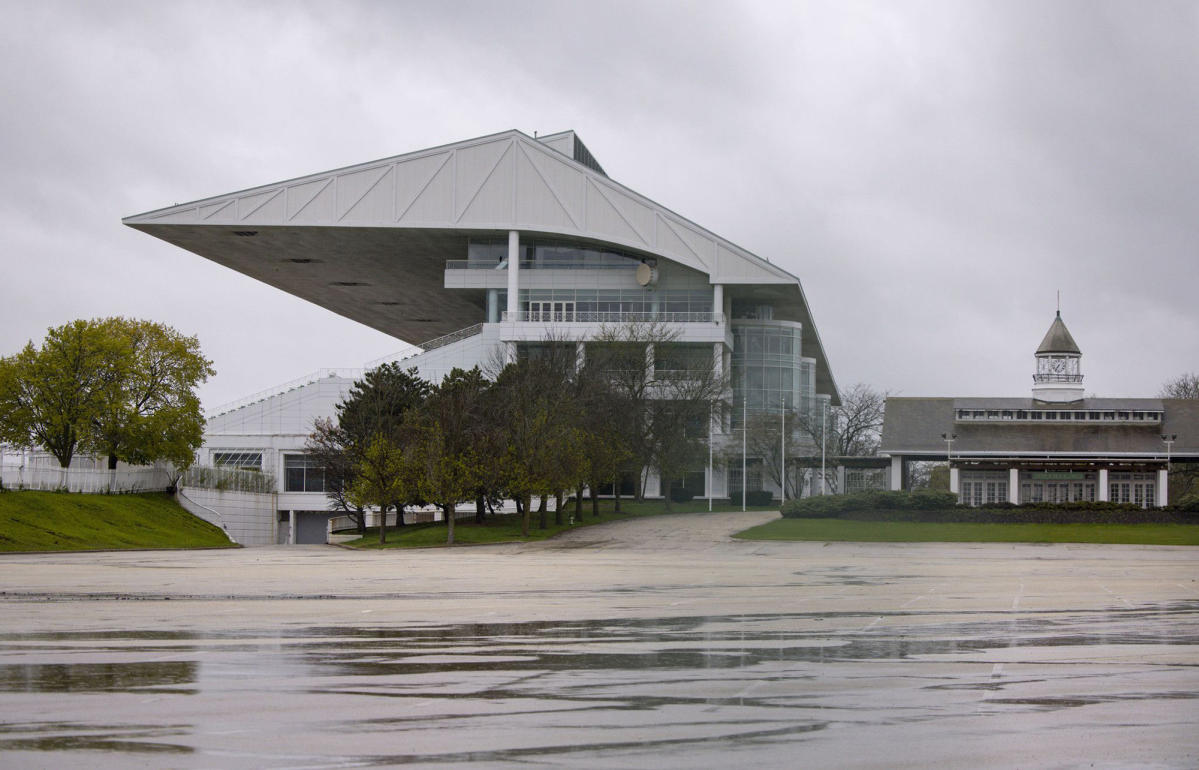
[[54, 479]]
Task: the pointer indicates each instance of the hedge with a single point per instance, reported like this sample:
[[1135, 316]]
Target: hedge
[[932, 506]]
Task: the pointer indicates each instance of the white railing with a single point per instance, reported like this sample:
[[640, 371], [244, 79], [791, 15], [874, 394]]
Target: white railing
[[536, 316], [446, 339], [424, 347], [227, 479], [276, 390], [594, 263], [86, 480]]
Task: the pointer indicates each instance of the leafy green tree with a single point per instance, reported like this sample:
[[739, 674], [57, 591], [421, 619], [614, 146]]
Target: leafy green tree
[[381, 476], [121, 387], [148, 409], [375, 406]]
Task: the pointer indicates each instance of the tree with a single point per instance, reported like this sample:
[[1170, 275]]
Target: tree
[[664, 394], [329, 446], [852, 429], [117, 386], [375, 406], [148, 409], [1182, 386], [764, 441], [1184, 477], [381, 477]]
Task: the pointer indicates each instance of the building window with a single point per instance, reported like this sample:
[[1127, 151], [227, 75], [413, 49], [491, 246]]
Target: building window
[[242, 460], [302, 474]]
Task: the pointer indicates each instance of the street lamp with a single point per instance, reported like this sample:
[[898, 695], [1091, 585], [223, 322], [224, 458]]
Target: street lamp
[[949, 439], [1168, 439]]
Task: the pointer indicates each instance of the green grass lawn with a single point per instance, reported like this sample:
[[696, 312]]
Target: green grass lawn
[[58, 521], [937, 532], [506, 529]]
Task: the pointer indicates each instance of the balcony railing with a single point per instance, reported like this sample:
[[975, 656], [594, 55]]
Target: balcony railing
[[545, 264], [561, 316], [1057, 378]]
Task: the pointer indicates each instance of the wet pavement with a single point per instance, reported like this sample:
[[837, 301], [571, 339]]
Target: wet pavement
[[658, 643]]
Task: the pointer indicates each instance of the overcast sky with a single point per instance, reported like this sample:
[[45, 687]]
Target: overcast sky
[[932, 171]]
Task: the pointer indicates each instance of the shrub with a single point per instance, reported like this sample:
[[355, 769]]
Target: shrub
[[681, 494], [759, 497], [1189, 503]]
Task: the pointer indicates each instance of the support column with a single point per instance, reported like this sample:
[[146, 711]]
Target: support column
[[955, 484], [580, 355], [896, 473], [513, 273], [1163, 487], [1104, 492], [649, 362], [1013, 486], [841, 479], [718, 299], [291, 524]]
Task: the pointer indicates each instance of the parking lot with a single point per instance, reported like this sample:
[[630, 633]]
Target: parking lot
[[658, 642]]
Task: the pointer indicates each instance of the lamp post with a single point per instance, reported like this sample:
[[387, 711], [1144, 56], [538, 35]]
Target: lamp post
[[783, 452], [823, 444], [1168, 439], [949, 438]]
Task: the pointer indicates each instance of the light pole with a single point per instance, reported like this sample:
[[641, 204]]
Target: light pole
[[783, 452], [948, 438], [1168, 440], [823, 443]]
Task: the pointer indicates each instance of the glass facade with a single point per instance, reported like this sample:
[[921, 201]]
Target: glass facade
[[586, 304], [301, 474], [769, 372], [545, 255]]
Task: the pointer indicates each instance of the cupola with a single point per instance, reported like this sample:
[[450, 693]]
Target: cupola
[[1059, 375]]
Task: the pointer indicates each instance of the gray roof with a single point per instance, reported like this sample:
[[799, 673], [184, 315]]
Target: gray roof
[[913, 426], [1058, 339]]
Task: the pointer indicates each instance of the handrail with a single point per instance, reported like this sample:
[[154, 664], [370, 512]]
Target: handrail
[[425, 347], [276, 390], [560, 316], [545, 264]]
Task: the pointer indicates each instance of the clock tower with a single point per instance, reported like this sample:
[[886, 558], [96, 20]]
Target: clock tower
[[1059, 378]]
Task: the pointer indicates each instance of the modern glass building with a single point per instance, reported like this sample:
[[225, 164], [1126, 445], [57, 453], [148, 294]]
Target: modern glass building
[[488, 247]]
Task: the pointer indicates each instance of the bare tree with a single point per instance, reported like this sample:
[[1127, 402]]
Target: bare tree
[[852, 429], [1184, 477], [1182, 386]]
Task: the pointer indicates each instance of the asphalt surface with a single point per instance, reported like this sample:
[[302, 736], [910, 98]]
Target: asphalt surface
[[655, 643]]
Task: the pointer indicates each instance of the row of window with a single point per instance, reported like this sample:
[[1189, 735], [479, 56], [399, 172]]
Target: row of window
[[300, 474], [1050, 415], [537, 254]]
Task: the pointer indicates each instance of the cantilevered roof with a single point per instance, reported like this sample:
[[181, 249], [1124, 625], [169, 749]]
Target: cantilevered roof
[[1058, 339], [370, 241]]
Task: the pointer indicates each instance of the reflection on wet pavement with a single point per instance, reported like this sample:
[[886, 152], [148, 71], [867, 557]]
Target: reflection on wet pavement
[[677, 691]]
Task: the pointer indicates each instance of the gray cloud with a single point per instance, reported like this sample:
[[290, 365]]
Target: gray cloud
[[932, 171]]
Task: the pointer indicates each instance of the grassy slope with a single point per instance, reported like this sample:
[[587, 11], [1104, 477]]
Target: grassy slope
[[54, 521], [918, 532], [506, 529]]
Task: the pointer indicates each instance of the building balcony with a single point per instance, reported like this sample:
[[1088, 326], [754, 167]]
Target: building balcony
[[567, 324], [1057, 378]]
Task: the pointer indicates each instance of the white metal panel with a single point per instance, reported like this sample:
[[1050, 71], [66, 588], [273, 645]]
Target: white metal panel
[[563, 179], [359, 193], [536, 202], [313, 202]]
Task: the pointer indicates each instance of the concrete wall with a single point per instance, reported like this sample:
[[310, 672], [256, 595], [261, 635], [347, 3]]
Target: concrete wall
[[248, 518]]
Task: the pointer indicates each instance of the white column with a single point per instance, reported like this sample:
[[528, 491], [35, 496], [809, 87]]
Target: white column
[[580, 355], [955, 485], [649, 362], [513, 272], [291, 525], [841, 479], [896, 473], [1013, 486], [718, 298], [1163, 487], [1104, 493]]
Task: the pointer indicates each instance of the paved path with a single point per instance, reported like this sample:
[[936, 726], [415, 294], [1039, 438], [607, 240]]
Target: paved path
[[655, 642]]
